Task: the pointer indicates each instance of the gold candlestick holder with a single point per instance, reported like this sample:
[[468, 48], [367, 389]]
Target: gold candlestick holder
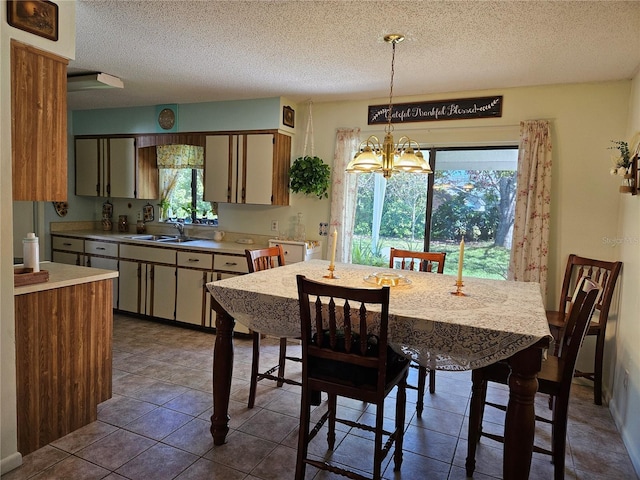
[[331, 275], [459, 292]]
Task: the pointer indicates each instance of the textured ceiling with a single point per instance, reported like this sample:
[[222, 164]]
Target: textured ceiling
[[198, 51]]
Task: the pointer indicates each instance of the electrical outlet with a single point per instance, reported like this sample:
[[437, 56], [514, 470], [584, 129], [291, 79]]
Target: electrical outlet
[[274, 225], [625, 380]]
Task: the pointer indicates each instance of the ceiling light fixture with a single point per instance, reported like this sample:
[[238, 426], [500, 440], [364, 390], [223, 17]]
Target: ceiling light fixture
[[389, 157], [92, 81]]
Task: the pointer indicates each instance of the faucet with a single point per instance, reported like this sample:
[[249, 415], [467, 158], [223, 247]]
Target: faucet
[[180, 227]]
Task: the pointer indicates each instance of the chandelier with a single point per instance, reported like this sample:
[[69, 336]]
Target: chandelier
[[389, 157]]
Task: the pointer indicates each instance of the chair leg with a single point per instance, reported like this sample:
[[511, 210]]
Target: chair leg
[[597, 369], [332, 404], [432, 380], [476, 412], [282, 359], [401, 401], [422, 376], [559, 435], [303, 435], [377, 444], [255, 364]]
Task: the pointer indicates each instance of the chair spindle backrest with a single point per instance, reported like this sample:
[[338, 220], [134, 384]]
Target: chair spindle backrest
[[340, 328], [602, 273], [264, 258], [424, 261]]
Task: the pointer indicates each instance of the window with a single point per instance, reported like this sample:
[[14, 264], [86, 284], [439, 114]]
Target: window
[[181, 185], [471, 194]]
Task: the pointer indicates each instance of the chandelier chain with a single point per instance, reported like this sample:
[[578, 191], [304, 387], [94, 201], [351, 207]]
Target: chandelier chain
[[389, 127]]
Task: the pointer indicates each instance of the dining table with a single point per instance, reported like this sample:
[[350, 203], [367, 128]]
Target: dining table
[[494, 320]]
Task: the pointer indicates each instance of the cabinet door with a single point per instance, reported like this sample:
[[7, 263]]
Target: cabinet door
[[161, 291], [66, 257], [130, 284], [38, 123], [258, 169], [190, 297], [106, 264], [121, 167], [220, 168], [88, 167]]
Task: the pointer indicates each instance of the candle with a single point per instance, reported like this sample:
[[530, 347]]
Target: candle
[[460, 261], [333, 247]]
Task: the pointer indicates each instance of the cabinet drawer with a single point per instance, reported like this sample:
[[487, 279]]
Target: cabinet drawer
[[148, 254], [202, 261], [230, 263], [68, 244], [293, 253], [101, 248]]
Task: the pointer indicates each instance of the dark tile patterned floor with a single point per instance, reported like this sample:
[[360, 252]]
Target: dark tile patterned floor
[[156, 426]]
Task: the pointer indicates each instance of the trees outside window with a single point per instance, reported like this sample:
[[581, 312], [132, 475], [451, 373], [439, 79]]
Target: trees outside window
[[471, 194]]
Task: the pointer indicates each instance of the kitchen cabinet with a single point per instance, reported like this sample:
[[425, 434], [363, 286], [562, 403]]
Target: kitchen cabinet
[[194, 271], [103, 255], [38, 124], [147, 281], [250, 168], [63, 335], [105, 167], [67, 250]]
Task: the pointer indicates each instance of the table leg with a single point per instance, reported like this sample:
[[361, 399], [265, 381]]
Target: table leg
[[519, 428], [222, 371]]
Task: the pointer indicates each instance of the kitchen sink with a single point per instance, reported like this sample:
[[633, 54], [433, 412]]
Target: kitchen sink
[[177, 239], [153, 238]]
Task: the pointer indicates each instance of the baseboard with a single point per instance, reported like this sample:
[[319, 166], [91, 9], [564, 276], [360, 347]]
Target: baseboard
[[629, 442], [11, 462]]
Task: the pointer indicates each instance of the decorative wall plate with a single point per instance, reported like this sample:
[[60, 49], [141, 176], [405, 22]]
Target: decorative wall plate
[[61, 208], [148, 212], [166, 118]]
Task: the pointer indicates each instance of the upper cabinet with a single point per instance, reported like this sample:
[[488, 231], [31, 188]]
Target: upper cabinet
[[109, 167], [38, 124], [248, 168]]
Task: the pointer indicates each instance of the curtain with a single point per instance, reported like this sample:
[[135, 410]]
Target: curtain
[[530, 247], [180, 156], [343, 192]]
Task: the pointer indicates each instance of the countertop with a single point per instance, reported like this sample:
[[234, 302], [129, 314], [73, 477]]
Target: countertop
[[63, 275], [232, 243]]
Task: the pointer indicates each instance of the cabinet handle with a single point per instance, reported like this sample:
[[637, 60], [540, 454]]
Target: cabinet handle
[[231, 264], [67, 244], [194, 260], [100, 248], [286, 252]]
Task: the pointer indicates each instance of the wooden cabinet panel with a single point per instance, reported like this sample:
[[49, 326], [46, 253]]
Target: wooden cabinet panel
[[148, 186], [248, 168], [191, 296], [161, 292], [38, 124], [106, 167], [129, 286], [63, 360]]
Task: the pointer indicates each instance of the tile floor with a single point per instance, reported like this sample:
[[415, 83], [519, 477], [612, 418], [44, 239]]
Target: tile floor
[[156, 426]]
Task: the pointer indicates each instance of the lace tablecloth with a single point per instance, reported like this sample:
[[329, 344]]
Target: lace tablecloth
[[426, 323]]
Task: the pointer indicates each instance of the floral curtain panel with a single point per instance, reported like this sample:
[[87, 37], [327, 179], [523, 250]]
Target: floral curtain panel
[[343, 192], [180, 156], [530, 247]]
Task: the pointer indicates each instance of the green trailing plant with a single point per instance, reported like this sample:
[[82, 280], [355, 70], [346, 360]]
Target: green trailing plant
[[310, 176]]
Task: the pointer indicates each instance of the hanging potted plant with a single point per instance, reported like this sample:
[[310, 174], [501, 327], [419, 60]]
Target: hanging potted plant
[[310, 176]]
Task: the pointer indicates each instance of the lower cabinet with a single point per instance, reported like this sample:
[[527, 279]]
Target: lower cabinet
[[193, 274], [147, 281]]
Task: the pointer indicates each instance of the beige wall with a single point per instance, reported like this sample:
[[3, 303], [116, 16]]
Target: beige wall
[[65, 46], [624, 338]]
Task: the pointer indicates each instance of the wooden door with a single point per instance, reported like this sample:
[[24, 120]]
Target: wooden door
[[130, 283], [88, 168], [161, 291], [219, 171], [190, 297]]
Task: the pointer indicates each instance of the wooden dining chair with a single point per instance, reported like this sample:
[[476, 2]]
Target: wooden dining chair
[[605, 274], [554, 379], [257, 260], [343, 356], [423, 262]]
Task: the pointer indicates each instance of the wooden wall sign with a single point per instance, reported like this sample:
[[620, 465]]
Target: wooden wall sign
[[35, 16], [480, 107]]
